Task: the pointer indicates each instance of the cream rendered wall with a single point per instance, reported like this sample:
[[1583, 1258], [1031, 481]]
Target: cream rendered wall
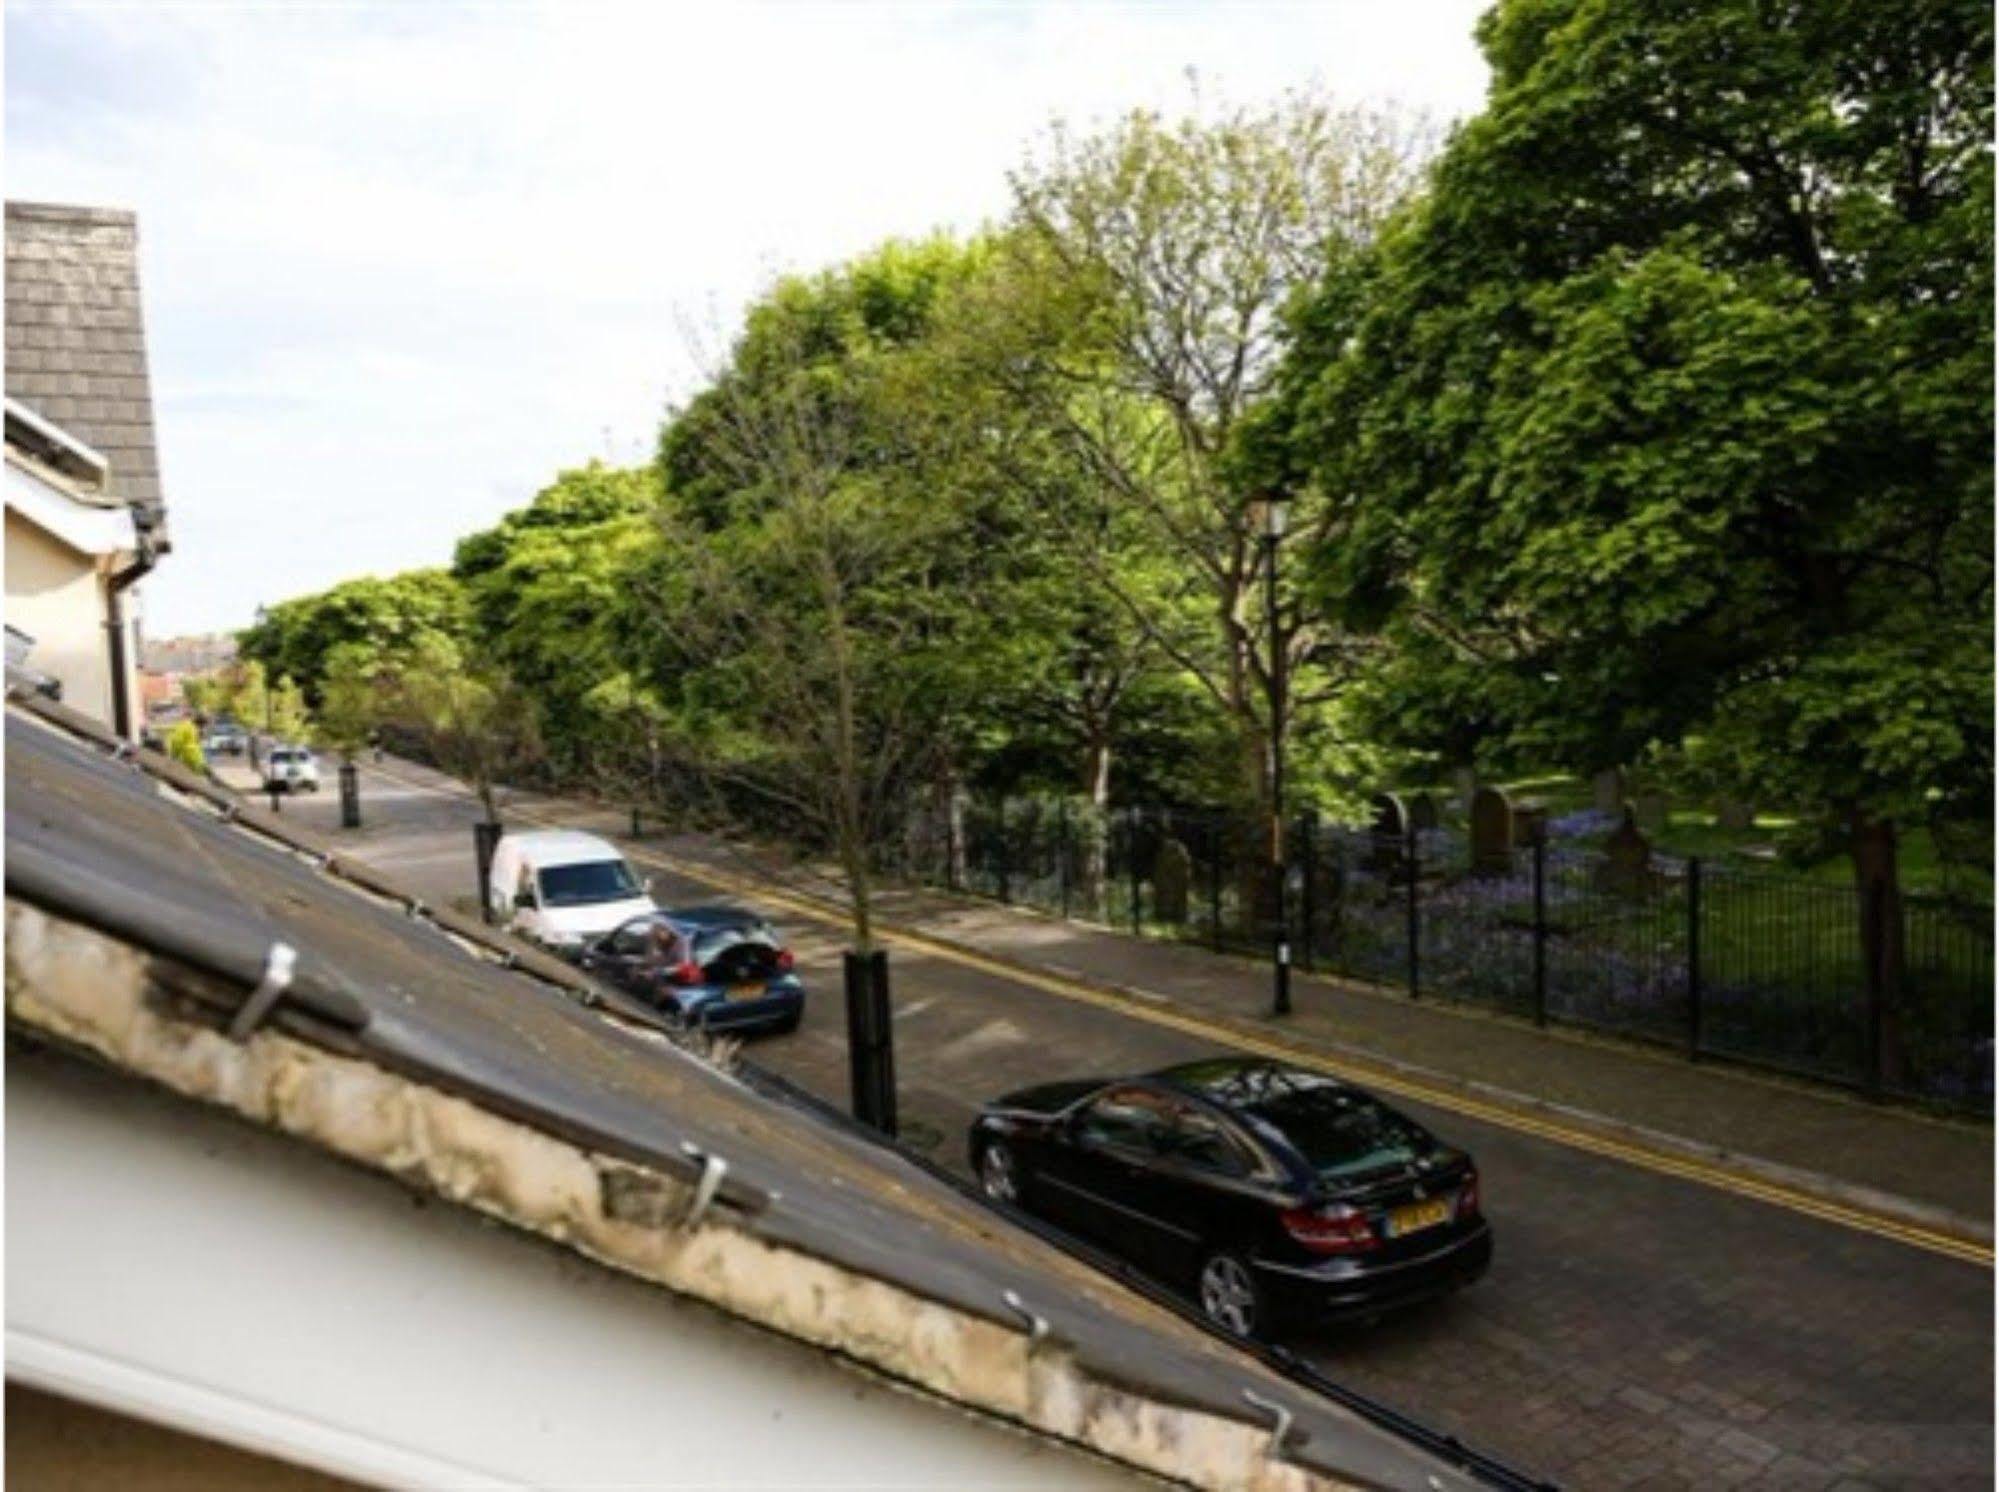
[[56, 596]]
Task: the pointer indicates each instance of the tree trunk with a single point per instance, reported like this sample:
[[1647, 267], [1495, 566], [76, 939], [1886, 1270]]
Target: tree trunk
[[1093, 834], [1256, 887], [1877, 880], [947, 818]]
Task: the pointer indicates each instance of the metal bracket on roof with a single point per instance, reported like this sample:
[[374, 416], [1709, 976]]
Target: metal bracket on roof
[[229, 812], [1037, 1324], [713, 1169], [1282, 1430], [278, 966], [415, 910], [124, 752]]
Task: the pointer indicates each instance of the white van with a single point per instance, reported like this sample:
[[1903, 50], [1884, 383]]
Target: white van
[[560, 888], [290, 769]]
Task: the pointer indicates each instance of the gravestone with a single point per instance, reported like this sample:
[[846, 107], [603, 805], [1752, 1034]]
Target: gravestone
[[1649, 811], [1172, 878], [1423, 815], [1735, 814], [1607, 789], [1387, 832], [1626, 867], [1491, 832]]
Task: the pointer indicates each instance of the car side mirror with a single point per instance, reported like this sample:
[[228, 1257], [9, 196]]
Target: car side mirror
[[524, 901]]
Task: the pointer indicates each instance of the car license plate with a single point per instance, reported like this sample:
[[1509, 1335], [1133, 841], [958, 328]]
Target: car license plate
[[746, 992], [1417, 1216]]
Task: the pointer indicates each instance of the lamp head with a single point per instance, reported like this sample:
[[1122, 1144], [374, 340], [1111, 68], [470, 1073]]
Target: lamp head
[[1269, 512]]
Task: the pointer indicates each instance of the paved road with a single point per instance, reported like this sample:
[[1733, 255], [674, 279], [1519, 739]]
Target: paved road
[[1635, 1330]]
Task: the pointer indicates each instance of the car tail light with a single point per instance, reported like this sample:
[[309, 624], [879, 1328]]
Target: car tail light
[[784, 960], [1468, 1199], [1333, 1229], [686, 972]]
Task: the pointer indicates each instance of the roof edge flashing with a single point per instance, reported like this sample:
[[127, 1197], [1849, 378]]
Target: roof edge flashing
[[92, 991]]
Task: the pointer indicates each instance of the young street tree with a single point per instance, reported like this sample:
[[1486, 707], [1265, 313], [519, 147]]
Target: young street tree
[[790, 582], [471, 718], [1153, 263], [1672, 403]]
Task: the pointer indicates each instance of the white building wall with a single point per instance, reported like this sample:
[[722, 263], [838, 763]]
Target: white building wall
[[56, 595]]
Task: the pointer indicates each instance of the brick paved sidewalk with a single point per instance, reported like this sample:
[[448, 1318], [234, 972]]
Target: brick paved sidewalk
[[1767, 1125]]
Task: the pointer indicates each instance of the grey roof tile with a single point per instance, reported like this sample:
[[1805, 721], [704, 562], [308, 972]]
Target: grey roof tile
[[76, 335]]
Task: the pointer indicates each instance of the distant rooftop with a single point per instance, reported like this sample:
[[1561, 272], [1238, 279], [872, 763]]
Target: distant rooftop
[[76, 337]]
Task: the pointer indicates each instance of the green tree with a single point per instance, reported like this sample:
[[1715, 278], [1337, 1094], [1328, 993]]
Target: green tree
[[390, 615], [183, 744], [1152, 263], [354, 699], [553, 593], [1668, 411], [472, 719], [289, 718]]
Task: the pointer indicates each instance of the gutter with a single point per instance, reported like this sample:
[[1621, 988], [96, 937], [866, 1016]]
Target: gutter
[[114, 622]]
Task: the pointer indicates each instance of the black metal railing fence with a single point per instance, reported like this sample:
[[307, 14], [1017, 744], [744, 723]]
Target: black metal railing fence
[[1706, 955]]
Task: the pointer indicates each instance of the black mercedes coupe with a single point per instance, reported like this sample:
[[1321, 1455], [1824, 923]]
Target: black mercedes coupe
[[1280, 1196]]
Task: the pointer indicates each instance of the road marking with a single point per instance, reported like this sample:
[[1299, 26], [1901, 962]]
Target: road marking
[[1684, 1168]]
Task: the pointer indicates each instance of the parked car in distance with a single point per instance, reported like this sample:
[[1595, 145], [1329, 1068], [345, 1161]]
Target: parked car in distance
[[719, 968], [1280, 1196], [562, 889], [225, 740], [290, 769]]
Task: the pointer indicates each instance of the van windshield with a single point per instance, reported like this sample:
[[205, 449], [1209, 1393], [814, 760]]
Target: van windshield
[[586, 884]]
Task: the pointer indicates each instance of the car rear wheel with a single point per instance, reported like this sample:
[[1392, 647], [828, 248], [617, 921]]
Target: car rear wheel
[[1229, 1295], [999, 1174]]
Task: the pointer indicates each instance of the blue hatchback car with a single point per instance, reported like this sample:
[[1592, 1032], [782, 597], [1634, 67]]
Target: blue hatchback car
[[718, 968]]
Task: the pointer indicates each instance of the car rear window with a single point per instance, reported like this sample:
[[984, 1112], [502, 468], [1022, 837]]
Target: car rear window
[[1339, 1131], [587, 883]]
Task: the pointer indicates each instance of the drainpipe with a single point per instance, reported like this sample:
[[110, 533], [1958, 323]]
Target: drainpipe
[[120, 582]]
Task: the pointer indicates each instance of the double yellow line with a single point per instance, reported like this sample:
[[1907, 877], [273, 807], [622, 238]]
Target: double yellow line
[[1662, 1162]]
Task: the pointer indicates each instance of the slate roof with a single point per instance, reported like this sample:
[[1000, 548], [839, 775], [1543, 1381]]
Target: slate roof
[[92, 840], [76, 338]]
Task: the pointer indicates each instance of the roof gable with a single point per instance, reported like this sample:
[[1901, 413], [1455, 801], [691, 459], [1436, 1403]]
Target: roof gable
[[76, 336]]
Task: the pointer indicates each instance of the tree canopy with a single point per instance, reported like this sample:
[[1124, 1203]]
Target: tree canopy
[[1667, 411]]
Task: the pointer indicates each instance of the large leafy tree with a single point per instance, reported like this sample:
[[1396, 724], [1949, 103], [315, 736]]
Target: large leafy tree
[[389, 615], [552, 592], [1668, 412]]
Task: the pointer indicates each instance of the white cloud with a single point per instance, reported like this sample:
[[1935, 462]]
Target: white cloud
[[401, 264]]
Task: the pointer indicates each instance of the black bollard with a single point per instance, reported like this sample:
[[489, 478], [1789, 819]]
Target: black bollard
[[485, 839], [350, 796], [870, 1040]]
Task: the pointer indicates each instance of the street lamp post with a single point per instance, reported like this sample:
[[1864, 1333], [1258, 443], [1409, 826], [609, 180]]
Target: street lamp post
[[1272, 510], [261, 758]]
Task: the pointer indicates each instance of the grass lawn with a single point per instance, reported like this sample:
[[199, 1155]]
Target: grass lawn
[[1694, 831]]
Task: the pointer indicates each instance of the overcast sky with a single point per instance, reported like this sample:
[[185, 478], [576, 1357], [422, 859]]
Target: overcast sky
[[402, 264]]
